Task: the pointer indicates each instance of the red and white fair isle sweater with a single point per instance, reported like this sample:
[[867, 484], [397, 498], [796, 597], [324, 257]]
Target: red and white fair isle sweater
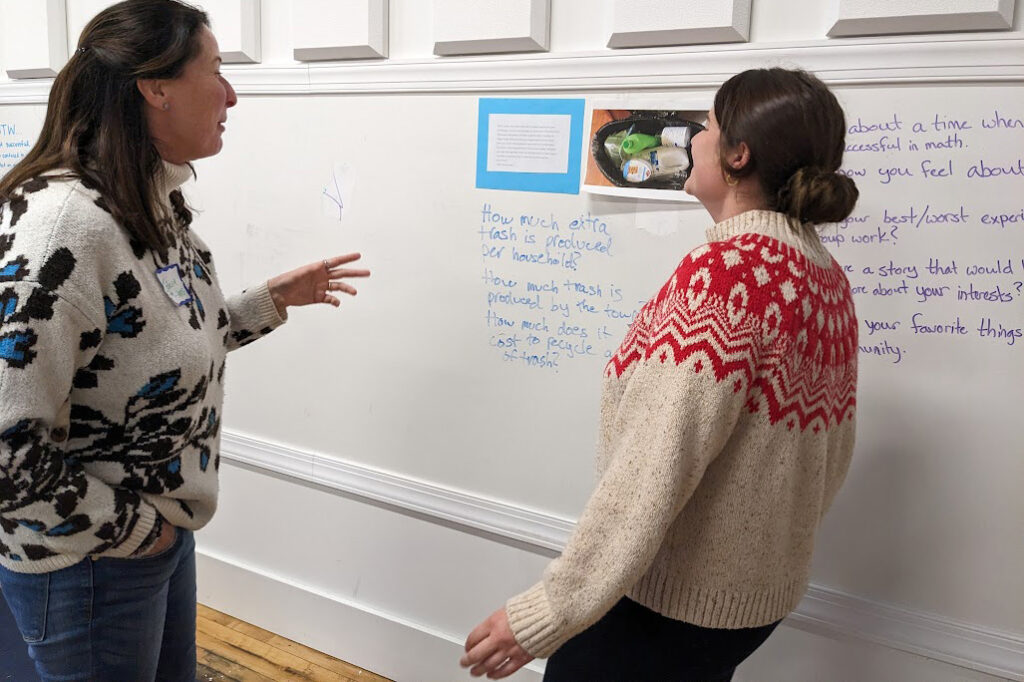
[[727, 427]]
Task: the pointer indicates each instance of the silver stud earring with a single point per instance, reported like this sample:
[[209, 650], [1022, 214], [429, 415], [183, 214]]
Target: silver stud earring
[[166, 106]]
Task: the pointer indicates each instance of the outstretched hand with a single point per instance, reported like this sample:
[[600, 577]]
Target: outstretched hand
[[314, 283], [492, 649]]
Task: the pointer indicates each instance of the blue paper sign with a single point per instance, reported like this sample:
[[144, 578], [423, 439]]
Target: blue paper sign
[[530, 145]]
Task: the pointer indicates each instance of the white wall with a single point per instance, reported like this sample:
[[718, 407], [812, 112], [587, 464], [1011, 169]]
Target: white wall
[[396, 593], [394, 584]]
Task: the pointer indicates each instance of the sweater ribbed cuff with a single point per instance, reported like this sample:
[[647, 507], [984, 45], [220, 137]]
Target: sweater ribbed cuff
[[265, 308], [151, 539], [143, 526], [533, 622]]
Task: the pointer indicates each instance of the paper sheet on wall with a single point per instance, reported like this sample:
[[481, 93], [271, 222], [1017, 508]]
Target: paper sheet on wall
[[528, 143], [531, 145]]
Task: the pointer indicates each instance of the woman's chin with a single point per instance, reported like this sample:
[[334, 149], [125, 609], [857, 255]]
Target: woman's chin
[[211, 149]]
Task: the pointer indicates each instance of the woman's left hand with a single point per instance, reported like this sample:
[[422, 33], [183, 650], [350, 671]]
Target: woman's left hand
[[314, 283], [492, 649]]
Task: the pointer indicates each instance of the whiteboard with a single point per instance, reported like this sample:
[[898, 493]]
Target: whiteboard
[[460, 364]]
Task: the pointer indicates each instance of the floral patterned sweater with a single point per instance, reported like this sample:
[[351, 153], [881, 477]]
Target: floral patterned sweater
[[111, 377]]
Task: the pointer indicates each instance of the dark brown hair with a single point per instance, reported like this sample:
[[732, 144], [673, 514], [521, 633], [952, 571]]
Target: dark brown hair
[[95, 128], [796, 132]]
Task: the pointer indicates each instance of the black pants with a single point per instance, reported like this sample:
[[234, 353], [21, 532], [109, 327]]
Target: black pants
[[634, 644]]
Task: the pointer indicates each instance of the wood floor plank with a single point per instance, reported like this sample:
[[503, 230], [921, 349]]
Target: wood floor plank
[[324, 660], [251, 630], [242, 651], [264, 658], [205, 673], [219, 664], [239, 654], [214, 615]]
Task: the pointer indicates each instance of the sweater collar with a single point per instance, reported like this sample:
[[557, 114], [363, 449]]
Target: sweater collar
[[171, 176], [778, 226]]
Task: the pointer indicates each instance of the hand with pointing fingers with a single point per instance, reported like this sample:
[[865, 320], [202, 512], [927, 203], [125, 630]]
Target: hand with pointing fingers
[[314, 283]]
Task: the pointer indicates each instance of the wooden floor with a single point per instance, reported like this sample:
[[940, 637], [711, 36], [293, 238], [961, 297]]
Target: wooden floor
[[231, 650]]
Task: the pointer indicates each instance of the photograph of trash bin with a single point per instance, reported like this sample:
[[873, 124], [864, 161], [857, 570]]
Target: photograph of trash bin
[[641, 152]]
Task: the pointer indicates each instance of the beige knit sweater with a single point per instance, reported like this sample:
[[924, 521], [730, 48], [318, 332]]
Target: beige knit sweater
[[727, 426]]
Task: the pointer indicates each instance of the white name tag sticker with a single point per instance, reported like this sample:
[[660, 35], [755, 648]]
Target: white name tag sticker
[[174, 285]]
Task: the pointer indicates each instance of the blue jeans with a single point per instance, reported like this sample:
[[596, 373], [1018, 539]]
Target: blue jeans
[[111, 620]]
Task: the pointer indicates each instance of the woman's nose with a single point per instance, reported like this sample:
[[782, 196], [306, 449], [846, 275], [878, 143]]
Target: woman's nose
[[232, 97]]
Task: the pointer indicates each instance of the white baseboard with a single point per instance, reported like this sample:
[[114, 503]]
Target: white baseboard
[[839, 615], [822, 610], [380, 642]]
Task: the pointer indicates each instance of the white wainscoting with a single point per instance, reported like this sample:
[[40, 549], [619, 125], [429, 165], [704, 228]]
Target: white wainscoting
[[395, 647], [822, 611], [984, 58]]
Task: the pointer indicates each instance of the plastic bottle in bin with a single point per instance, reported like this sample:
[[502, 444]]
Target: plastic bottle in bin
[[676, 136], [637, 142], [656, 163]]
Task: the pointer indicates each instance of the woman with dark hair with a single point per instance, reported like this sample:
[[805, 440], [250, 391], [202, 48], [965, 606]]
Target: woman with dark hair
[[727, 419], [113, 335]]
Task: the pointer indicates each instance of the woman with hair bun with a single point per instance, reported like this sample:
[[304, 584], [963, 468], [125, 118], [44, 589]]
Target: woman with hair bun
[[727, 419]]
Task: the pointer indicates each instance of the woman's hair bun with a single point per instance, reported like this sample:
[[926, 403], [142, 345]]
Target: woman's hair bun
[[815, 195]]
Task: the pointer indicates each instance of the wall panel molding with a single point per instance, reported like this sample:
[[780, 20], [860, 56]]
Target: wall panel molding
[[869, 61], [335, 624], [648, 23], [977, 58], [488, 26], [339, 29], [878, 17], [34, 36], [822, 610], [539, 531], [236, 23]]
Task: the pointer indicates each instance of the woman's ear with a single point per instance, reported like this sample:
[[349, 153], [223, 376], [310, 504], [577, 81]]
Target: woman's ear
[[738, 157], [152, 90]]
